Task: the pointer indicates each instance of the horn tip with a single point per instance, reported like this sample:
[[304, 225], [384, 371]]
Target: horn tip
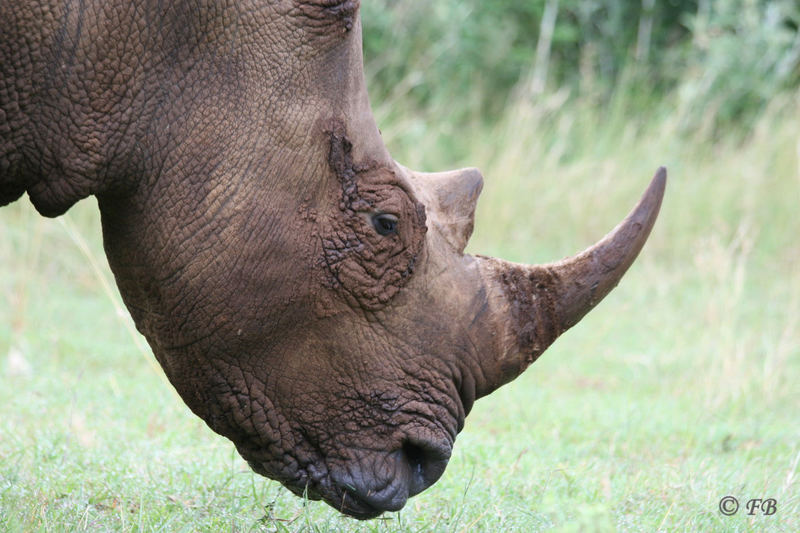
[[650, 202], [660, 178]]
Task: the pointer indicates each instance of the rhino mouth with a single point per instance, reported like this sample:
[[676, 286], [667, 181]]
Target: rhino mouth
[[345, 500], [386, 482], [370, 483], [356, 508]]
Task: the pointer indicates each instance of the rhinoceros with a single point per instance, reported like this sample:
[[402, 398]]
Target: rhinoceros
[[308, 297]]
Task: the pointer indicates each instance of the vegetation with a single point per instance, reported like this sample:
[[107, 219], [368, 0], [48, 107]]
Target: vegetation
[[681, 388], [469, 57]]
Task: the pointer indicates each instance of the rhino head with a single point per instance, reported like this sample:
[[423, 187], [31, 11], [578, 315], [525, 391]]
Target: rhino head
[[306, 295]]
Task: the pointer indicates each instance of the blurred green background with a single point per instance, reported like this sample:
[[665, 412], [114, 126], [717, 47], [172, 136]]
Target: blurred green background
[[682, 387]]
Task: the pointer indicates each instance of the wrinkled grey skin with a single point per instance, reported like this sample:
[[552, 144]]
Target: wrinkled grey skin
[[239, 173]]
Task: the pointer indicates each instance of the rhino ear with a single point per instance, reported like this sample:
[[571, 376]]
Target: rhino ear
[[450, 198]]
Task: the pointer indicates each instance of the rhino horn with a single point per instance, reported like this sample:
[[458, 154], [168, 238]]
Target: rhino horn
[[531, 305]]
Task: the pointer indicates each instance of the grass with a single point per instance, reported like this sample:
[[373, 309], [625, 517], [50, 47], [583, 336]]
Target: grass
[[681, 388]]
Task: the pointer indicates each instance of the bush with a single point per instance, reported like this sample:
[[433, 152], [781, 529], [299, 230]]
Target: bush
[[742, 55], [465, 58]]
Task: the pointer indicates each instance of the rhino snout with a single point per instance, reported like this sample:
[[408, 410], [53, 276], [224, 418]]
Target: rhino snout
[[384, 482]]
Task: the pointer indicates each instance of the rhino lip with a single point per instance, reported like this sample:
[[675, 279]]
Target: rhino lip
[[352, 505], [342, 496], [356, 503], [360, 494]]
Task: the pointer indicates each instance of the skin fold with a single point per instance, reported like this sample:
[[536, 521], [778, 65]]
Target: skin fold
[[306, 295]]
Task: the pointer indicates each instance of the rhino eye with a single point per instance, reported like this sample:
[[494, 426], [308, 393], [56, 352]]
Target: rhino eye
[[384, 223]]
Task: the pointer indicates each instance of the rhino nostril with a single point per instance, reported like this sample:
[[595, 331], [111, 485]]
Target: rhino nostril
[[427, 464], [416, 457]]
